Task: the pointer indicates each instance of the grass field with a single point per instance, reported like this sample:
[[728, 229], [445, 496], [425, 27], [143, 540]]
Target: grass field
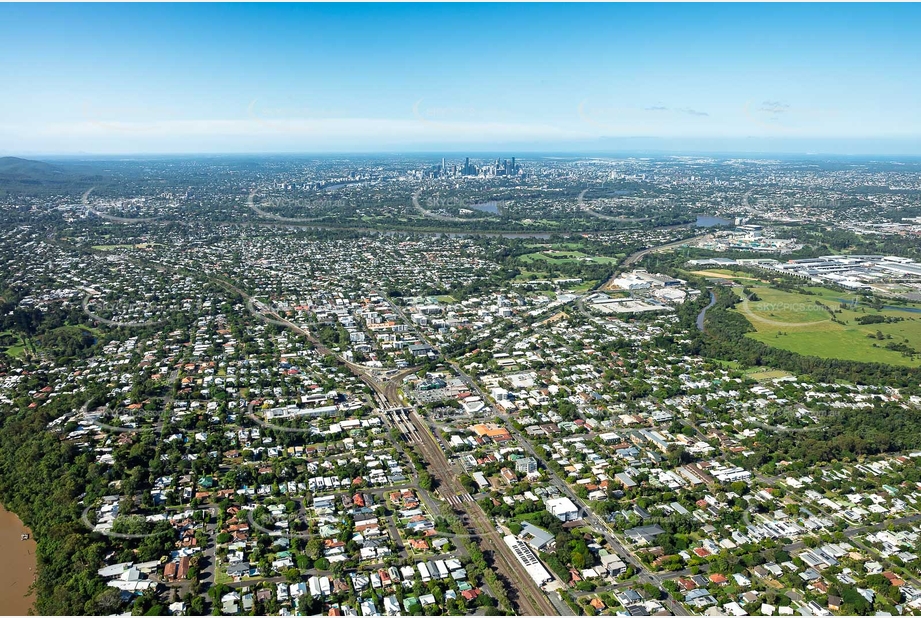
[[113, 247], [13, 344], [531, 275], [584, 286], [15, 350], [792, 321], [446, 299], [723, 273], [768, 374], [555, 256], [568, 246], [727, 364]]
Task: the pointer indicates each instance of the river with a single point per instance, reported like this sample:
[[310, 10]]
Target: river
[[17, 569], [491, 207]]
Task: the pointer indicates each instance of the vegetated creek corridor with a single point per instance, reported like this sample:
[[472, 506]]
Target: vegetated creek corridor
[[703, 312]]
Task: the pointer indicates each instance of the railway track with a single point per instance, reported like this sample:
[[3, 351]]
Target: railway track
[[528, 598]]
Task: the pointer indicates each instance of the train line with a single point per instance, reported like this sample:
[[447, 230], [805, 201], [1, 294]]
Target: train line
[[399, 418], [528, 598]]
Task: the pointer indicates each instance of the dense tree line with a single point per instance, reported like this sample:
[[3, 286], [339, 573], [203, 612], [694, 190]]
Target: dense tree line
[[845, 436], [42, 480]]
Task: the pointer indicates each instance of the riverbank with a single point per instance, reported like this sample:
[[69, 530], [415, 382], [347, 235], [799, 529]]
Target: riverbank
[[18, 566]]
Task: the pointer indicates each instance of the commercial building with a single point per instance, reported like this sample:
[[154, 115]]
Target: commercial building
[[563, 509], [528, 560]]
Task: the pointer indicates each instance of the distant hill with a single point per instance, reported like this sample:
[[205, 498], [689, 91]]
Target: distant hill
[[14, 168], [27, 177]]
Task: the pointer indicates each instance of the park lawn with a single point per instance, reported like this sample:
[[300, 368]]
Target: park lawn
[[723, 273], [564, 246], [564, 257], [113, 247], [531, 275], [777, 309], [767, 374], [585, 286], [851, 345], [832, 296], [551, 255], [807, 329], [446, 298], [17, 348]]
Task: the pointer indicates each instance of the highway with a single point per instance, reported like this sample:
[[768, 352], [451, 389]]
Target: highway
[[268, 215], [112, 218], [635, 257], [582, 206]]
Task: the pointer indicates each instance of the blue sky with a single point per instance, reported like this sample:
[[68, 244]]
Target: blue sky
[[410, 77]]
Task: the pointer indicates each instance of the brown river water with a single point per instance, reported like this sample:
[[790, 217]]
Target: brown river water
[[17, 566]]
